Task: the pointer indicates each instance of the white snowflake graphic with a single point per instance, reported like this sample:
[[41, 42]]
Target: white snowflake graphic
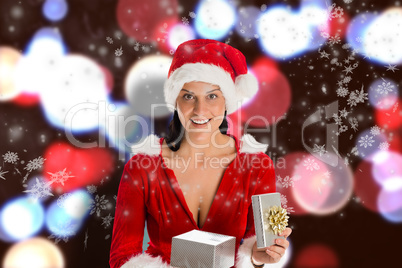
[[385, 88], [337, 119], [185, 21], [35, 164], [40, 189], [118, 52], [192, 14], [68, 230], [310, 164], [2, 173], [284, 204], [98, 204], [391, 68], [357, 97], [109, 40], [347, 79], [10, 157], [347, 1], [353, 123], [337, 12], [287, 181], [60, 176], [375, 130], [320, 149], [91, 189], [366, 141], [342, 92], [343, 113], [107, 221], [354, 151], [383, 146], [334, 40]]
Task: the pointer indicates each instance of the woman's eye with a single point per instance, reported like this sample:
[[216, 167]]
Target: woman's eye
[[187, 96], [213, 96]]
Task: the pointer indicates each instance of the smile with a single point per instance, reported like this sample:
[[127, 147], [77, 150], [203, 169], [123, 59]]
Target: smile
[[200, 122]]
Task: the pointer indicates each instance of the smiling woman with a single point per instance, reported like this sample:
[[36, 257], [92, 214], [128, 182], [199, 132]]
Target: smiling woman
[[200, 176]]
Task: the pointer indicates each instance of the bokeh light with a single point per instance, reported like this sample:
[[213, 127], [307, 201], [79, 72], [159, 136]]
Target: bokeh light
[[214, 18], [21, 218], [55, 10], [316, 256], [34, 253], [9, 58], [246, 25], [383, 93]]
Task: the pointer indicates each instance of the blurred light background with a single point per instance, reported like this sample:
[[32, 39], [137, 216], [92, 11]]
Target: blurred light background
[[78, 80]]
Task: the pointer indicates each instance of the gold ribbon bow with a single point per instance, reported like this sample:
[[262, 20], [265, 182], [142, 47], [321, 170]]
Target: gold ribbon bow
[[275, 219]]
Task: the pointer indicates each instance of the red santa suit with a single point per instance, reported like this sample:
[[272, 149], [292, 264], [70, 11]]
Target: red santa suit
[[149, 192]]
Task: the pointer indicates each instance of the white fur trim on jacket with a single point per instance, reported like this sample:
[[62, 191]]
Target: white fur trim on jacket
[[243, 259], [246, 86], [250, 145], [145, 260], [150, 146]]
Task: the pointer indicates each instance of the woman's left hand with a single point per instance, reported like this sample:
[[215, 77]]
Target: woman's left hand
[[274, 253]]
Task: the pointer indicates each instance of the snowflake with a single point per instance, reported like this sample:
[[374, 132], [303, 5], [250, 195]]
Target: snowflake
[[337, 119], [64, 231], [91, 189], [366, 141], [354, 151], [320, 149], [136, 48], [357, 97], [109, 40], [327, 174], [383, 145], [98, 204], [342, 92], [10, 157], [144, 48], [284, 204], [286, 181], [343, 113], [107, 221], [185, 21], [61, 200], [334, 40], [391, 68], [347, 79], [348, 69], [40, 189], [353, 123], [34, 164], [337, 12], [310, 164], [60, 177], [343, 128], [323, 54], [2, 173], [385, 88], [192, 14], [375, 131], [347, 1], [118, 52]]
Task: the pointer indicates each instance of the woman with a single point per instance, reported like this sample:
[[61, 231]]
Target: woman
[[198, 177]]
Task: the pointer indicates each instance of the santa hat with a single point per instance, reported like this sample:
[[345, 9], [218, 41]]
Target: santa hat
[[213, 62]]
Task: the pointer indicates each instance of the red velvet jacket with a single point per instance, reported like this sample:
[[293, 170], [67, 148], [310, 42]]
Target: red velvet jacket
[[149, 192]]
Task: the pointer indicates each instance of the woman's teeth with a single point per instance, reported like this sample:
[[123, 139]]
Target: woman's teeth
[[200, 122]]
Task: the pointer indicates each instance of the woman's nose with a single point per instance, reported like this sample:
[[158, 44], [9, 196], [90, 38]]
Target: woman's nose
[[201, 107]]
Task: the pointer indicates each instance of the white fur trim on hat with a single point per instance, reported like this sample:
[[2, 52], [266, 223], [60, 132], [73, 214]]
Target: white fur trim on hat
[[208, 73], [150, 145], [243, 259], [246, 85], [250, 145], [145, 260]]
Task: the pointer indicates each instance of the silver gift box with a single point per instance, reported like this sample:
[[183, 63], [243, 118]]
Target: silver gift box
[[261, 203], [200, 249]]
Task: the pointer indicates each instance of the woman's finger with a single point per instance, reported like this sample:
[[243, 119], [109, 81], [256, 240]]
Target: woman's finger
[[276, 253], [286, 233], [282, 242]]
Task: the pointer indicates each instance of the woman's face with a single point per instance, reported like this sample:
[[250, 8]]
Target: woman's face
[[200, 101]]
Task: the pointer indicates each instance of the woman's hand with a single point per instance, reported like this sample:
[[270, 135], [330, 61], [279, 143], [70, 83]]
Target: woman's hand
[[275, 252]]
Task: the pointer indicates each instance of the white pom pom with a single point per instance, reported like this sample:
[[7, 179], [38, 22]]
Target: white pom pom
[[246, 85]]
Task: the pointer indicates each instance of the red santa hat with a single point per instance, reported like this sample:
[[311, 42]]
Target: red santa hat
[[213, 62]]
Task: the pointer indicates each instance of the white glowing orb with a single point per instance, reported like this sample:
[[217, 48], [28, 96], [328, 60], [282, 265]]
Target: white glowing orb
[[144, 85], [73, 94], [383, 39], [9, 58], [179, 34], [33, 253], [214, 18], [282, 33]]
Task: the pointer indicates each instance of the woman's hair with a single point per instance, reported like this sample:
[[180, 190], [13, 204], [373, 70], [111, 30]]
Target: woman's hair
[[176, 131]]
